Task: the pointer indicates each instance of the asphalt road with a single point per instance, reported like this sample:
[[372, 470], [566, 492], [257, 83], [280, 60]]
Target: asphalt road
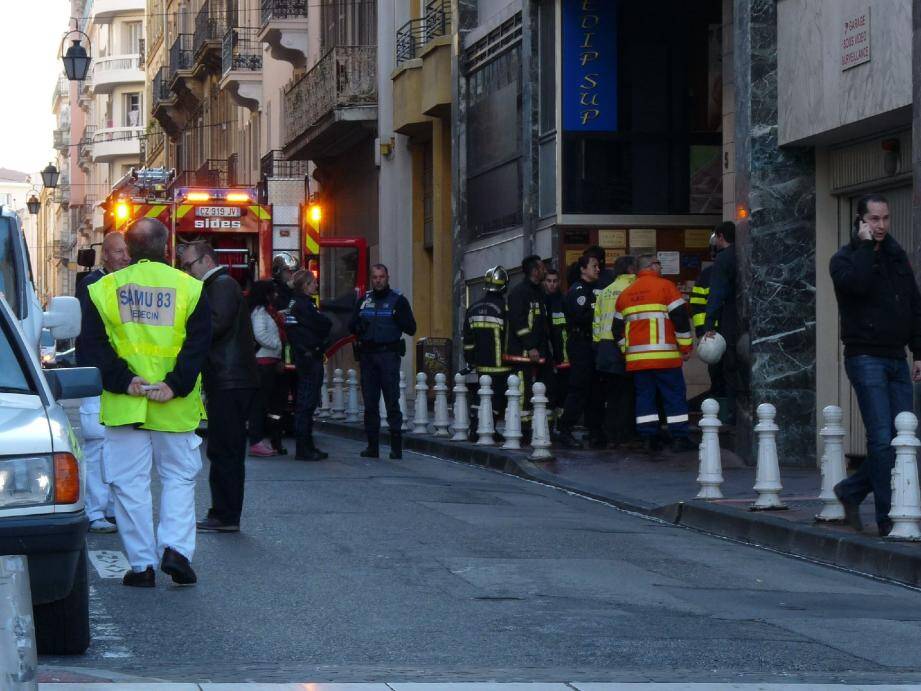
[[423, 569]]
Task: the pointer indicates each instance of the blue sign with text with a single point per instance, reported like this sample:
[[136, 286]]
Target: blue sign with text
[[589, 94]]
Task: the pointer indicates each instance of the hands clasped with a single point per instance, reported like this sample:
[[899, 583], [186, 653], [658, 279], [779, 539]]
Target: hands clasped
[[159, 392]]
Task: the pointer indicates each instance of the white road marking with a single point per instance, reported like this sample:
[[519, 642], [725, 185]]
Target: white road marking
[[109, 563], [106, 640]]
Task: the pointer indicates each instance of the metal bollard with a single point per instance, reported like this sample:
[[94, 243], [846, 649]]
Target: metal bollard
[[710, 476], [767, 479], [403, 406], [382, 411], [421, 418], [18, 661], [834, 467], [338, 406], [512, 431], [485, 427], [905, 513], [323, 408], [461, 424], [540, 426], [441, 421], [351, 407]]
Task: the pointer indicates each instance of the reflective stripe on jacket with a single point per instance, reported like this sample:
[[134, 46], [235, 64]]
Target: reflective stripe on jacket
[[144, 308], [484, 334]]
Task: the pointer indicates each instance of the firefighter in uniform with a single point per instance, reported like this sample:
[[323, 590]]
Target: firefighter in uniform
[[379, 321], [527, 331], [700, 296], [559, 336], [484, 335], [653, 321], [149, 336], [584, 395]]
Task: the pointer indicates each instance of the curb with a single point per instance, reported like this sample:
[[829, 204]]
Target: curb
[[899, 562]]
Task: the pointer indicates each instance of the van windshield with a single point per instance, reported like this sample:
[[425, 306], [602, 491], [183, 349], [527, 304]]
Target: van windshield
[[9, 273], [13, 377]]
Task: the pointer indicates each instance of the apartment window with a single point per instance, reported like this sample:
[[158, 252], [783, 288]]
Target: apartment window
[[132, 38], [348, 23], [132, 110]]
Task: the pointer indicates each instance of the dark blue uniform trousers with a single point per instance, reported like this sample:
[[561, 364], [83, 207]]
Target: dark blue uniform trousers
[[380, 372], [670, 384]]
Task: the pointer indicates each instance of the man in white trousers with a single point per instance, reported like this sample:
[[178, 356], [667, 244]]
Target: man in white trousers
[[98, 499], [148, 331]]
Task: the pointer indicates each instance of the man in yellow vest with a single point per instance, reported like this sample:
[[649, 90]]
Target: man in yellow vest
[[148, 330]]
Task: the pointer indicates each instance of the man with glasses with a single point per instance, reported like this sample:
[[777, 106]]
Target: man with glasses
[[231, 378]]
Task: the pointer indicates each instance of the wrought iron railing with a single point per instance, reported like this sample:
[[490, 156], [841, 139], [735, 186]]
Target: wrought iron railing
[[85, 147], [409, 40], [274, 165], [210, 25], [180, 54], [160, 86], [437, 19], [283, 9], [61, 89], [242, 50], [62, 138], [345, 76]]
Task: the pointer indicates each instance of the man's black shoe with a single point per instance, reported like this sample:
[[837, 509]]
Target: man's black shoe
[[652, 444], [396, 446], [310, 455], [851, 511], [884, 528], [177, 567], [140, 579], [212, 525], [371, 452], [320, 455], [683, 444], [567, 441]]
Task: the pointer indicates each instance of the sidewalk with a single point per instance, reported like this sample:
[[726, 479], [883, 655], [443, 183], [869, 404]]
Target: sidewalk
[[664, 487]]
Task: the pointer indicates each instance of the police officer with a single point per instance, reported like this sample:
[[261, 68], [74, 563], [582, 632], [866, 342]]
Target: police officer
[[484, 335], [559, 336], [584, 395], [527, 331], [308, 333], [148, 333], [379, 321]]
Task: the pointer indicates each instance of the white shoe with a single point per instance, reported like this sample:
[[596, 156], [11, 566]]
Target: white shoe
[[101, 525]]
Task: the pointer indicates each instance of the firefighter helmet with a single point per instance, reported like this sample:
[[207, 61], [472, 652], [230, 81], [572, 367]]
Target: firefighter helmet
[[711, 348], [283, 261], [496, 279]]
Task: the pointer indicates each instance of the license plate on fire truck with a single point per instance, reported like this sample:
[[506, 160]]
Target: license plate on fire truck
[[218, 211]]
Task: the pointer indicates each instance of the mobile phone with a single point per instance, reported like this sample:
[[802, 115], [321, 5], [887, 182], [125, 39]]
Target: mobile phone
[[149, 387]]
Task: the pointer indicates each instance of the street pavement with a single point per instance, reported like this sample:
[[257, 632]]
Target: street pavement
[[354, 570]]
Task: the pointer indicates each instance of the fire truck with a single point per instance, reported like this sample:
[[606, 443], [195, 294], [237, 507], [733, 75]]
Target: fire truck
[[240, 228]]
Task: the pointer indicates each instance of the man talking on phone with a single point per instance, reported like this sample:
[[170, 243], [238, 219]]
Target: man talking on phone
[[880, 309]]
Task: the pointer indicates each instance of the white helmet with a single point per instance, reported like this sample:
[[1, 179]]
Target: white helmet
[[711, 349]]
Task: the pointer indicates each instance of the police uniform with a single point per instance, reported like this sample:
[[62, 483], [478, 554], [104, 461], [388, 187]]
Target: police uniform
[[484, 342], [379, 321], [584, 395], [527, 329], [559, 349], [308, 333], [152, 321]]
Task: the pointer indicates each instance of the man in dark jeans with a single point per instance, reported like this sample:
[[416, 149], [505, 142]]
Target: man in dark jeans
[[720, 314], [230, 378], [880, 309]]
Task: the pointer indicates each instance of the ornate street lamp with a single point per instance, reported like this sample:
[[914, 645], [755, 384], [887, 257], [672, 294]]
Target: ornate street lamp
[[77, 59], [50, 176], [34, 205]]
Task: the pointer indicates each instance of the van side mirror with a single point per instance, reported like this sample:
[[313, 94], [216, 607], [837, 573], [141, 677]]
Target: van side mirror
[[63, 317], [86, 257], [74, 382]]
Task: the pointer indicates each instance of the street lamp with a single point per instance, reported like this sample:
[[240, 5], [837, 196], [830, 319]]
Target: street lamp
[[50, 176], [76, 60], [33, 204]]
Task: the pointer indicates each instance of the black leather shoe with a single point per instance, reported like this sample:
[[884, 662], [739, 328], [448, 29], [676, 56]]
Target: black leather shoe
[[396, 447], [177, 567], [371, 452], [311, 455], [212, 525], [319, 455], [140, 579], [851, 511], [884, 528], [683, 444], [567, 441]]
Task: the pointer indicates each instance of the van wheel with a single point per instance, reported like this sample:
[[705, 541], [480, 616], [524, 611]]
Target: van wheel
[[63, 627]]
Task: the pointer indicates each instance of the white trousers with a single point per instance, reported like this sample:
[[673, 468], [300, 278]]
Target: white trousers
[[94, 448], [131, 453]]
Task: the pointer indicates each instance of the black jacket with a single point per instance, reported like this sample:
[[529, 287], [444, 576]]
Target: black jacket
[[878, 299], [721, 302], [231, 360], [559, 329], [580, 310], [484, 334], [83, 295], [307, 328], [528, 326]]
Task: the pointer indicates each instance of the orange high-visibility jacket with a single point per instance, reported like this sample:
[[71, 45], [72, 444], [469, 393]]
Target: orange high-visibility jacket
[[652, 323]]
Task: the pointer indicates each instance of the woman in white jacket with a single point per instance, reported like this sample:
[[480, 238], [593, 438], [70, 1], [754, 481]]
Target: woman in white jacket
[[265, 417]]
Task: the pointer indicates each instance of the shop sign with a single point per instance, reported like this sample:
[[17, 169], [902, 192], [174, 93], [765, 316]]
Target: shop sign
[[589, 94], [855, 40]]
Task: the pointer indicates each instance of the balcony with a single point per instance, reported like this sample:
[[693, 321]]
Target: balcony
[[241, 67], [334, 105], [62, 138], [85, 91], [85, 147], [210, 27], [117, 142], [180, 56], [115, 70], [274, 165], [166, 109], [61, 91], [284, 30], [106, 10], [182, 82]]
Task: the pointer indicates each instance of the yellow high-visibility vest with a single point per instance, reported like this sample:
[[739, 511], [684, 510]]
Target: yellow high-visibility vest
[[144, 308], [605, 307]]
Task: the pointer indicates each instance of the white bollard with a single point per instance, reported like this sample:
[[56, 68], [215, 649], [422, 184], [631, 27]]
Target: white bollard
[[441, 421], [404, 408], [710, 476], [338, 407], [421, 418], [323, 408], [382, 411], [767, 478], [540, 426], [834, 467], [18, 662], [485, 427], [512, 431], [905, 513], [461, 424], [351, 407]]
